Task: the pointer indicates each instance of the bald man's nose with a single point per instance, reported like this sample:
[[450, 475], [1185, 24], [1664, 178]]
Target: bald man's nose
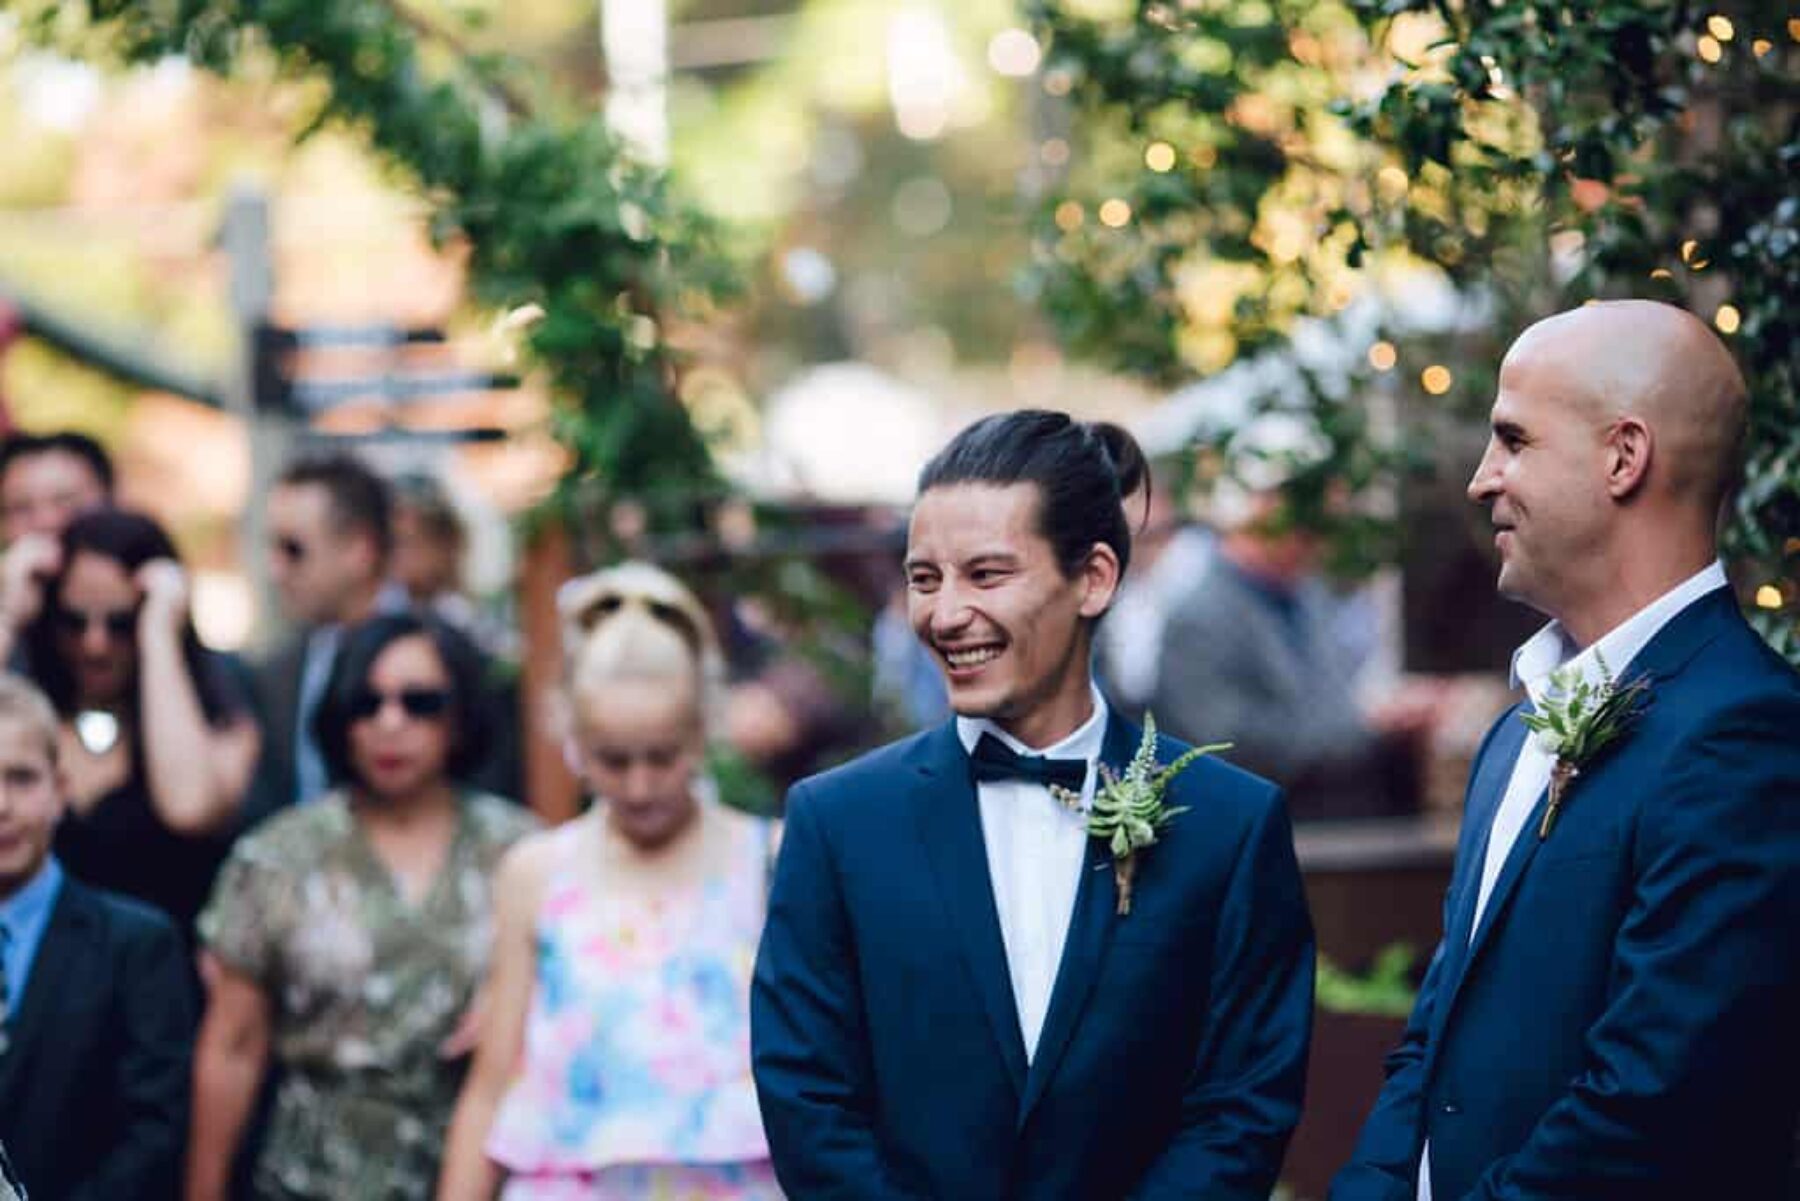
[[1484, 483]]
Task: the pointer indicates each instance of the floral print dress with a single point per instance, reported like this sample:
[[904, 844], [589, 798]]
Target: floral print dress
[[364, 986], [636, 1077]]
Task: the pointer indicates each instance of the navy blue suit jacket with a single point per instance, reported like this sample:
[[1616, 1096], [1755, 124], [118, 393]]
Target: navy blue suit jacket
[[887, 1050], [94, 1089], [1625, 1022]]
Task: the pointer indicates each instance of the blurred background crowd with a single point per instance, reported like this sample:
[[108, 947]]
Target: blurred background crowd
[[456, 458]]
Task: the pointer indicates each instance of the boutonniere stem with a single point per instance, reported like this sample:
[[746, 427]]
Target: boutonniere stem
[[1577, 721], [1128, 810]]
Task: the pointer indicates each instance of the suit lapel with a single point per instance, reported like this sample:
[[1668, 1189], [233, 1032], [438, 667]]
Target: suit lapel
[[1486, 791], [59, 956], [950, 824], [1662, 658], [1090, 931]]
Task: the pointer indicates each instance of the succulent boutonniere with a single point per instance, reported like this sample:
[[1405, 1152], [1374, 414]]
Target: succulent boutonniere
[[1128, 809], [1578, 720]]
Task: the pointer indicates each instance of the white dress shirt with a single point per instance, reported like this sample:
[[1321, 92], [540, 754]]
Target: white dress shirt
[[1545, 652], [1034, 852]]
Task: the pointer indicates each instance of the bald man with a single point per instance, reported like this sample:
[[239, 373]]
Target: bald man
[[1614, 1011]]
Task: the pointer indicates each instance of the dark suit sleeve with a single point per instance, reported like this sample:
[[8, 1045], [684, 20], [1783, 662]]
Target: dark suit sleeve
[[1704, 978], [1385, 1165], [156, 1011], [809, 1046], [1243, 1098]]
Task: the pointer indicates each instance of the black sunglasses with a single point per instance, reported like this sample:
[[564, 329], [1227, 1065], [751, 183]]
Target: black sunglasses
[[420, 704], [120, 623], [672, 616]]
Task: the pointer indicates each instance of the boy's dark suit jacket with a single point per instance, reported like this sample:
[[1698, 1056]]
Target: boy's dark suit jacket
[[1625, 1024], [94, 1086], [887, 1049]]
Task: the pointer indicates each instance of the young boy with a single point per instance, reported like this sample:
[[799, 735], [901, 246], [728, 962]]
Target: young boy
[[97, 1008]]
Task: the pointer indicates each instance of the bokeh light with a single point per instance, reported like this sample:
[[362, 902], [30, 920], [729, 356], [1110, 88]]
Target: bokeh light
[[1014, 53]]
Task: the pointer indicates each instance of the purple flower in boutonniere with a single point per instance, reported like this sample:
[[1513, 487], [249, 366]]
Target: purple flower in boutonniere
[[1577, 721], [1128, 809]]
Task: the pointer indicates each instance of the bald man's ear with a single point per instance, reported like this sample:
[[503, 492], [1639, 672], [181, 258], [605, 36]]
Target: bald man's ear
[[1629, 447]]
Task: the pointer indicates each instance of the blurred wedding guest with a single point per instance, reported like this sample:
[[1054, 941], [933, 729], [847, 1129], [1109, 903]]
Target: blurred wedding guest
[[97, 1004], [431, 541], [908, 688], [1168, 554], [158, 742], [330, 534], [331, 541], [1253, 653], [615, 1061], [45, 480], [346, 936]]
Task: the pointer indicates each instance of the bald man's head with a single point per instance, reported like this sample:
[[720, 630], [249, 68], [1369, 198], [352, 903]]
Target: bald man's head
[[1616, 434], [1655, 362]]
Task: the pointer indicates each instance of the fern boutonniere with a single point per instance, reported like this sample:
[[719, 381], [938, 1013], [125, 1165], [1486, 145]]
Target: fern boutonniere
[[1577, 721], [1128, 810]]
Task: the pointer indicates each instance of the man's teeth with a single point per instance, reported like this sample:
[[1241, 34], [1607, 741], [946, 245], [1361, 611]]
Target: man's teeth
[[971, 658]]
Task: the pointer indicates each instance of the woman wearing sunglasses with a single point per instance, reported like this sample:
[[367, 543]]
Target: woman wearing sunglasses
[[346, 937], [158, 740], [615, 1059]]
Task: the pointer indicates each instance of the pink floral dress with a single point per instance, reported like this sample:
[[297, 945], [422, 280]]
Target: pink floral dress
[[636, 1075]]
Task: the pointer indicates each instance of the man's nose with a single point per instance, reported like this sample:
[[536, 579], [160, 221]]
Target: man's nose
[[639, 782], [1485, 482], [950, 609]]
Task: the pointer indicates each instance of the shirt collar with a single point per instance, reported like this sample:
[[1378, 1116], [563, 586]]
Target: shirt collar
[[30, 904], [1084, 743], [1551, 647]]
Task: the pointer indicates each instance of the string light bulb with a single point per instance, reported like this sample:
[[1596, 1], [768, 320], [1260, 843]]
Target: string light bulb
[[1436, 379]]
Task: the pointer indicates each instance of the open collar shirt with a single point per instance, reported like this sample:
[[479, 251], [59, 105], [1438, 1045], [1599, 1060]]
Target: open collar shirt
[[1549, 650]]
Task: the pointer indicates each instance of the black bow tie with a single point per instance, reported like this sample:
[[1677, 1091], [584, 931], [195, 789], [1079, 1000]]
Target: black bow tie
[[994, 760]]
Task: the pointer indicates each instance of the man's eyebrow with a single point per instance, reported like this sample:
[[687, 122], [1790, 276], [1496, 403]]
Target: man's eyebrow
[[983, 558], [1507, 428]]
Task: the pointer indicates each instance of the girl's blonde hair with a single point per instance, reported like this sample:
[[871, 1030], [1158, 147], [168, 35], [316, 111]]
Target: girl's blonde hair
[[637, 622]]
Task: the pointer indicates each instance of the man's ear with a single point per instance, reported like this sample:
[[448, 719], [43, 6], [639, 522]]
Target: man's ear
[[1099, 579], [368, 549], [1629, 448]]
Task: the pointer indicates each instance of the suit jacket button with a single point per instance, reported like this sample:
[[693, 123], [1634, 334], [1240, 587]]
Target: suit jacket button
[[1452, 1108]]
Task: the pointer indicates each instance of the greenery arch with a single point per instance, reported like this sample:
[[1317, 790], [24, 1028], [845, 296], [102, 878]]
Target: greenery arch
[[555, 214]]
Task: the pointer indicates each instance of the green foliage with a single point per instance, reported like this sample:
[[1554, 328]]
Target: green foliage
[[552, 212], [1128, 810], [1536, 154], [1579, 719], [1386, 991]]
